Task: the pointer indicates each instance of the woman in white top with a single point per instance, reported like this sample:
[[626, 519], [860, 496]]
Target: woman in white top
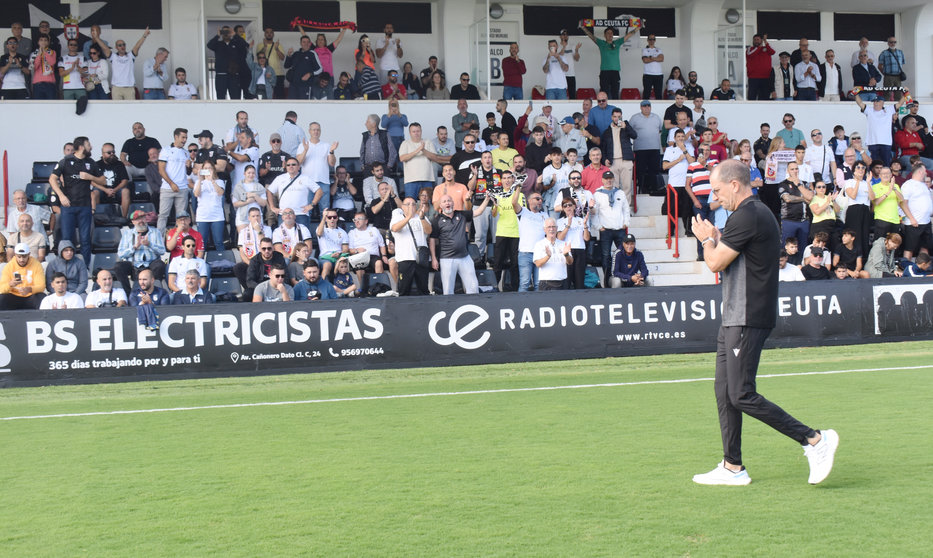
[[574, 230], [209, 190], [858, 213], [98, 73], [675, 81], [248, 193]]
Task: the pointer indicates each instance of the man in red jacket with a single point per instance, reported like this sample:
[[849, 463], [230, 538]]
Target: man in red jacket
[[758, 62]]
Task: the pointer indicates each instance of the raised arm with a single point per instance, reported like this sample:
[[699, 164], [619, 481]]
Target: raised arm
[[140, 42]]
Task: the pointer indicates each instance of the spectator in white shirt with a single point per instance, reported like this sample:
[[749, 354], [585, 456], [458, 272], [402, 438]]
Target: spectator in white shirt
[[181, 90]]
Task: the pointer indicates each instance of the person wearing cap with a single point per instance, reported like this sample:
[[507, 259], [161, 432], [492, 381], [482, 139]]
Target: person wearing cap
[[272, 162], [209, 151], [647, 145], [816, 268], [611, 217], [26, 234], [616, 146], [628, 266], [554, 69], [22, 281], [141, 247], [75, 270], [513, 68], [878, 134], [783, 79], [116, 190], [653, 73], [59, 297], [182, 230], [567, 136], [913, 110], [72, 180]]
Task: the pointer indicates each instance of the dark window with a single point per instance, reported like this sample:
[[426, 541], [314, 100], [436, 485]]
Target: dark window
[[549, 20], [128, 15], [405, 17], [852, 27], [278, 14], [659, 21], [789, 26]]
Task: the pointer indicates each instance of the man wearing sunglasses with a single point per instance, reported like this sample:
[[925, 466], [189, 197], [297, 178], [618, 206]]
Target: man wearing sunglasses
[[260, 268], [122, 73]]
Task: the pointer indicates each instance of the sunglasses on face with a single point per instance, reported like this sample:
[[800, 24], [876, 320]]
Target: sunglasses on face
[[107, 152], [275, 141], [278, 276], [189, 151], [331, 217], [291, 164], [266, 248], [788, 121], [816, 134], [469, 142]]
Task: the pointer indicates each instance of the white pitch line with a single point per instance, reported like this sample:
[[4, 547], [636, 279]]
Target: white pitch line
[[446, 393]]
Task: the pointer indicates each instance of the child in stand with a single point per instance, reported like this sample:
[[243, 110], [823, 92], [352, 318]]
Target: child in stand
[[344, 281]]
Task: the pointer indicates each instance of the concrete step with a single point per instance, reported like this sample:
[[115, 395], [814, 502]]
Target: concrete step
[[667, 280], [649, 205], [676, 268], [688, 253]]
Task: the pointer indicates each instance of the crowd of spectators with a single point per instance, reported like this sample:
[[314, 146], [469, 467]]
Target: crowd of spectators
[[549, 193], [50, 67]]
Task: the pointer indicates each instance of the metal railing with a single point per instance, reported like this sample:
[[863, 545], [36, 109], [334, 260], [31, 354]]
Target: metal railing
[[673, 219]]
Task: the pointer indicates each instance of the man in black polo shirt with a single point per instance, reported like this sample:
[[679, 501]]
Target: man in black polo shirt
[[745, 252], [465, 160], [448, 243], [135, 151], [71, 179], [272, 163]]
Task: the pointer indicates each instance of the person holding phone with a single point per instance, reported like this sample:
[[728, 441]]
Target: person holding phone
[[22, 281]]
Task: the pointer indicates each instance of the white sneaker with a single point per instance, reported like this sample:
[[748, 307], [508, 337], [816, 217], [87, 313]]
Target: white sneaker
[[821, 456], [722, 476], [386, 294]]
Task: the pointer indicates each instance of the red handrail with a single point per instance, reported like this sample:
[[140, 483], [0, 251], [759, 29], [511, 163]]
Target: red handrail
[[673, 218], [634, 188]]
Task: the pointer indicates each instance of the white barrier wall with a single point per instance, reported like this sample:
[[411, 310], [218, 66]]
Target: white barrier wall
[[36, 130]]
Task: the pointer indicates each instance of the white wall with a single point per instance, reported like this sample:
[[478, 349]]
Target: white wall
[[111, 121]]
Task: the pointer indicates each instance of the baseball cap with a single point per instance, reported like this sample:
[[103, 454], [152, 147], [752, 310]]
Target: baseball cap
[[21, 249], [913, 104], [608, 174], [816, 251], [181, 215], [629, 238], [205, 134], [646, 103], [567, 120], [275, 136], [138, 214], [562, 31], [878, 98]]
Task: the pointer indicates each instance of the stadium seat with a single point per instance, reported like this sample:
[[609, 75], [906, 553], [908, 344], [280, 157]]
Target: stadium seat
[[487, 278], [42, 170], [105, 239], [34, 188], [473, 251], [630, 94], [103, 260], [354, 167], [109, 214], [371, 279], [141, 192], [225, 285], [214, 256], [586, 93]]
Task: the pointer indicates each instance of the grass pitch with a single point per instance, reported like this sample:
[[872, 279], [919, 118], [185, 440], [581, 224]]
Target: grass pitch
[[597, 471]]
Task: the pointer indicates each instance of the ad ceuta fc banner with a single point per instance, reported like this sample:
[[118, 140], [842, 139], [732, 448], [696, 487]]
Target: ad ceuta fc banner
[[66, 346]]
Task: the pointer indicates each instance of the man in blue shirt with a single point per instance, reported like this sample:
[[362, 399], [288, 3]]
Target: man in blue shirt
[[313, 286]]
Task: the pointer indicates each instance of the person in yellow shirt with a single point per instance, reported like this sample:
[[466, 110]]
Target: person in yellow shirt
[[886, 197], [22, 282], [506, 249], [502, 156]]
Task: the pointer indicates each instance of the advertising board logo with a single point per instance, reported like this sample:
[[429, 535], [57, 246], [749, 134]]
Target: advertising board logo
[[459, 334]]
